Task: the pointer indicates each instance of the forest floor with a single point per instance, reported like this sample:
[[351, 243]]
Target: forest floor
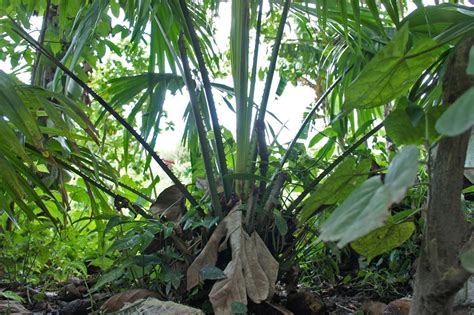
[[73, 297]]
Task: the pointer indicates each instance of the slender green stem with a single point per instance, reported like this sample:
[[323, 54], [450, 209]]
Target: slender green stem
[[253, 81], [306, 122], [274, 57], [123, 185], [210, 99], [253, 76], [309, 188], [200, 128], [260, 121], [44, 26], [239, 45], [19, 30]]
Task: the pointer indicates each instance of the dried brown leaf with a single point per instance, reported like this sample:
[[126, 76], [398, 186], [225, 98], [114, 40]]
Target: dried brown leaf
[[267, 261], [229, 290], [252, 271], [208, 256], [256, 280], [169, 204]]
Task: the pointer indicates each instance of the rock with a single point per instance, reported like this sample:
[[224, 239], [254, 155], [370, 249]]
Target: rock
[[465, 296], [152, 306], [462, 312], [77, 307], [373, 308], [117, 301], [305, 302], [12, 307], [398, 307], [74, 290]]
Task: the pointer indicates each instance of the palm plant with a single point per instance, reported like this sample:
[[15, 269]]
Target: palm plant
[[250, 210]]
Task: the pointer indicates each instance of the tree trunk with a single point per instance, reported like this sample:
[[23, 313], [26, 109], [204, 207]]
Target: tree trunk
[[440, 274]]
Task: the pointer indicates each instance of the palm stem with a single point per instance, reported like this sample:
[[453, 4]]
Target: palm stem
[[210, 99], [44, 26], [253, 81], [200, 129], [273, 60]]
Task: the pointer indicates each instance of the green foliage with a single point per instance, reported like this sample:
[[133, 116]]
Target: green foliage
[[461, 112], [367, 207], [10, 295], [65, 163], [383, 239], [391, 72], [345, 178], [411, 124], [363, 211]]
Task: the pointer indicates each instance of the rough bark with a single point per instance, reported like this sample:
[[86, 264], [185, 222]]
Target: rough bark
[[440, 274]]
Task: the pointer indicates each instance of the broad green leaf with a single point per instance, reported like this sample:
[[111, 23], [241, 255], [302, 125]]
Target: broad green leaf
[[115, 8], [211, 273], [328, 132], [168, 231], [345, 178], [109, 277], [367, 208], [113, 222], [128, 242], [363, 211], [459, 116], [102, 262], [143, 260], [401, 172], [391, 72], [145, 240], [403, 130], [467, 260], [383, 239]]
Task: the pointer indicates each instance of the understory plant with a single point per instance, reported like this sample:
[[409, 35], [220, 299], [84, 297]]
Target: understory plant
[[255, 209]]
